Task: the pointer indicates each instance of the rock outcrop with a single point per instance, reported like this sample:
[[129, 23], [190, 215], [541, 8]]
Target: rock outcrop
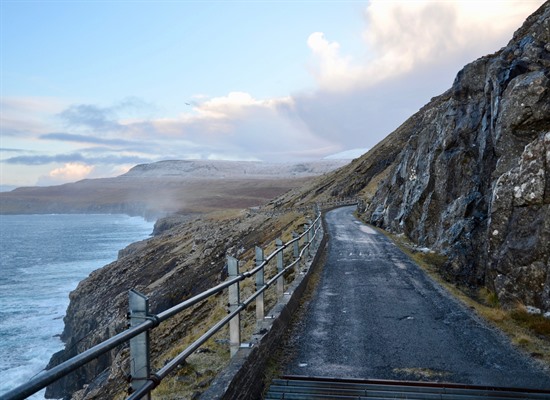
[[469, 174], [473, 179]]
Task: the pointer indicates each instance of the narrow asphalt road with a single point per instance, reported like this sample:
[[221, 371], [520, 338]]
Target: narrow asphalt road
[[376, 315]]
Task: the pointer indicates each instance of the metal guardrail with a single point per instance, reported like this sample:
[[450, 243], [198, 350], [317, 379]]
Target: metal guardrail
[[317, 207], [143, 382], [306, 387]]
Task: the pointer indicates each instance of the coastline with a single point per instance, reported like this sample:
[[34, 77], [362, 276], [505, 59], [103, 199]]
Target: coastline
[[36, 289]]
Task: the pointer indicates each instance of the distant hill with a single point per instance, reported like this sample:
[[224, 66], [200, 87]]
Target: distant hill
[[165, 187], [205, 169]]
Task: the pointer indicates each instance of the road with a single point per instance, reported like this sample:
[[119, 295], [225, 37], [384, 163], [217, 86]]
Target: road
[[376, 315]]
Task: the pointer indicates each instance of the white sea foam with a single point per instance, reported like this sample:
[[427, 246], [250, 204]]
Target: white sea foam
[[43, 257]]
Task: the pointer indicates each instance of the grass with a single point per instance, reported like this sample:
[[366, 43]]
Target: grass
[[530, 333], [533, 322], [196, 373], [200, 368]]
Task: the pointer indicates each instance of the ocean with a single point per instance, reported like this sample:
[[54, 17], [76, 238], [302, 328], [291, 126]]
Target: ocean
[[42, 259]]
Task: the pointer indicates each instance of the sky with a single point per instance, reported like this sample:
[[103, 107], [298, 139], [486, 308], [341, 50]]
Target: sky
[[89, 89]]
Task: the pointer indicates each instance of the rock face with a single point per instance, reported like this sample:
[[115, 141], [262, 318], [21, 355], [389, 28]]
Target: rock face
[[185, 258], [472, 179]]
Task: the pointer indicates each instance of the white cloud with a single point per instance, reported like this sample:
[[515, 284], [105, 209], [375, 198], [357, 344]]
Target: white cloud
[[401, 36], [333, 68], [225, 106], [239, 127], [69, 172], [411, 52]]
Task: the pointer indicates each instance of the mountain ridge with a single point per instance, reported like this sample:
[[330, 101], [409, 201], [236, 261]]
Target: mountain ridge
[[220, 169], [178, 186]]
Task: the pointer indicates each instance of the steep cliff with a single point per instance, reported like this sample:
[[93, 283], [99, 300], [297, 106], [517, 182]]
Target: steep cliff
[[183, 259], [469, 174], [473, 179]]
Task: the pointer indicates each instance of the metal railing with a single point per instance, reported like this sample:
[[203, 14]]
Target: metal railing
[[143, 382], [317, 206]]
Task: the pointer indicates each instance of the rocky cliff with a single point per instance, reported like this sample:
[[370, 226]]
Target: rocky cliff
[[183, 259], [473, 178], [469, 174]]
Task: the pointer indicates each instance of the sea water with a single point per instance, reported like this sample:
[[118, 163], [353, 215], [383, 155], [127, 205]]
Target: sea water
[[42, 259]]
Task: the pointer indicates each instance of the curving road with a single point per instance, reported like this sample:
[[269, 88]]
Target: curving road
[[377, 315]]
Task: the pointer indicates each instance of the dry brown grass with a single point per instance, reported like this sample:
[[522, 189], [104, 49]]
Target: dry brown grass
[[533, 322], [202, 366], [368, 192]]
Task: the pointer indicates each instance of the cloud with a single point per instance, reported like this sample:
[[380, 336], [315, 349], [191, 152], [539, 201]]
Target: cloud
[[100, 119], [413, 51], [71, 172], [76, 158], [11, 150], [333, 69], [402, 36], [237, 126], [90, 116], [70, 137]]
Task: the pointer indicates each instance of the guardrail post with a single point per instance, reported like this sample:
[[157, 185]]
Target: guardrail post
[[259, 284], [295, 246], [310, 237], [281, 280], [320, 227], [234, 302], [315, 236], [139, 345], [306, 240]]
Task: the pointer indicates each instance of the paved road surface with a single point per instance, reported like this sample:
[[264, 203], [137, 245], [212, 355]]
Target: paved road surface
[[376, 315]]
